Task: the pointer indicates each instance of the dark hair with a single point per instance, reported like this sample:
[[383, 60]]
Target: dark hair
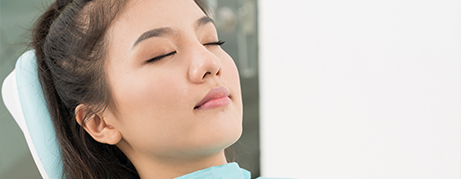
[[70, 46]]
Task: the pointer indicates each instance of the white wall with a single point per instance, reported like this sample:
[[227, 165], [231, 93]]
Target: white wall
[[360, 89]]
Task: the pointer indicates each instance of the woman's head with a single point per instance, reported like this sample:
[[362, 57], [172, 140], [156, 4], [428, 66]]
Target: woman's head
[[135, 75]]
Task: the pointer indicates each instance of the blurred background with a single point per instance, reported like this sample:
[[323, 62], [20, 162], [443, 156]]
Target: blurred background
[[16, 19], [332, 89], [360, 89]]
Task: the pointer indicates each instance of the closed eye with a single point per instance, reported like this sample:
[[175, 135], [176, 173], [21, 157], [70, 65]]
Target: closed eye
[[160, 57], [219, 43]]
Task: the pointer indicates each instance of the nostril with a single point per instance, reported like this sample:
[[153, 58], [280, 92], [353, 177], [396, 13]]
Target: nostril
[[207, 73]]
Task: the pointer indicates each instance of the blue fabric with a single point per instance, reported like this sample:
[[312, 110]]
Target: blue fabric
[[226, 171], [36, 114]]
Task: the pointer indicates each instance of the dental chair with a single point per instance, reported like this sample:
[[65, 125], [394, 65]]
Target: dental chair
[[23, 97]]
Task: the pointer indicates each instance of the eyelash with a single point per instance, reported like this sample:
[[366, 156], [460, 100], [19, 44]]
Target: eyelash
[[160, 57], [218, 43]]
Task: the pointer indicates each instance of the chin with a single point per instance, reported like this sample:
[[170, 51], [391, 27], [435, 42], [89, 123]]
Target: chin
[[214, 143], [214, 133], [221, 132]]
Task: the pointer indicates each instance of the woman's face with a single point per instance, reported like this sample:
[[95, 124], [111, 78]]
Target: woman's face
[[163, 60]]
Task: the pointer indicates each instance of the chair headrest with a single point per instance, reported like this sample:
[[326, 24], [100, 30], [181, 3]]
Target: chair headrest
[[23, 97]]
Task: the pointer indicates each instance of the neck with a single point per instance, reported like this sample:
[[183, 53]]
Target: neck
[[159, 168]]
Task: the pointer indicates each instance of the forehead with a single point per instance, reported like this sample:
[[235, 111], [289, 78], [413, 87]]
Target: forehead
[[140, 15]]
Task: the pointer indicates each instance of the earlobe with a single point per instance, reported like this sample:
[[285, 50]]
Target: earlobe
[[97, 126]]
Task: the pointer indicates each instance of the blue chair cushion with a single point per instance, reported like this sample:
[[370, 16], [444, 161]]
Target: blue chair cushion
[[37, 117]]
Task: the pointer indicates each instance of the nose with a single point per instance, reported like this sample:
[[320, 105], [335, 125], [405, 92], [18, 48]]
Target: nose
[[204, 64]]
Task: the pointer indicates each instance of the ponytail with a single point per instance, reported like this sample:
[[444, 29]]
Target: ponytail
[[63, 46]]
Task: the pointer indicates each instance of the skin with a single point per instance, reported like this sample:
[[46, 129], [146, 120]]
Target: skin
[[154, 121]]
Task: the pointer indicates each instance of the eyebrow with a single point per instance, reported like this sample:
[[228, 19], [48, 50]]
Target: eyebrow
[[203, 21], [163, 31]]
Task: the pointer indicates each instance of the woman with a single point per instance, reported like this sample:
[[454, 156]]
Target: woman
[[137, 89]]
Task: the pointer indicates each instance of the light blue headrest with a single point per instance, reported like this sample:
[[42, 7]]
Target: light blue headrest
[[24, 99]]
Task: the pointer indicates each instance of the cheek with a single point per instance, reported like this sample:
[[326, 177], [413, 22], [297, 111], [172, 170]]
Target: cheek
[[147, 93], [148, 107]]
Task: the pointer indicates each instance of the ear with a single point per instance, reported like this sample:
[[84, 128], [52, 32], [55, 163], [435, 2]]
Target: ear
[[97, 126]]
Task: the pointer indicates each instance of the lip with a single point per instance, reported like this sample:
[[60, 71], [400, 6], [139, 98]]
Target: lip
[[216, 97]]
